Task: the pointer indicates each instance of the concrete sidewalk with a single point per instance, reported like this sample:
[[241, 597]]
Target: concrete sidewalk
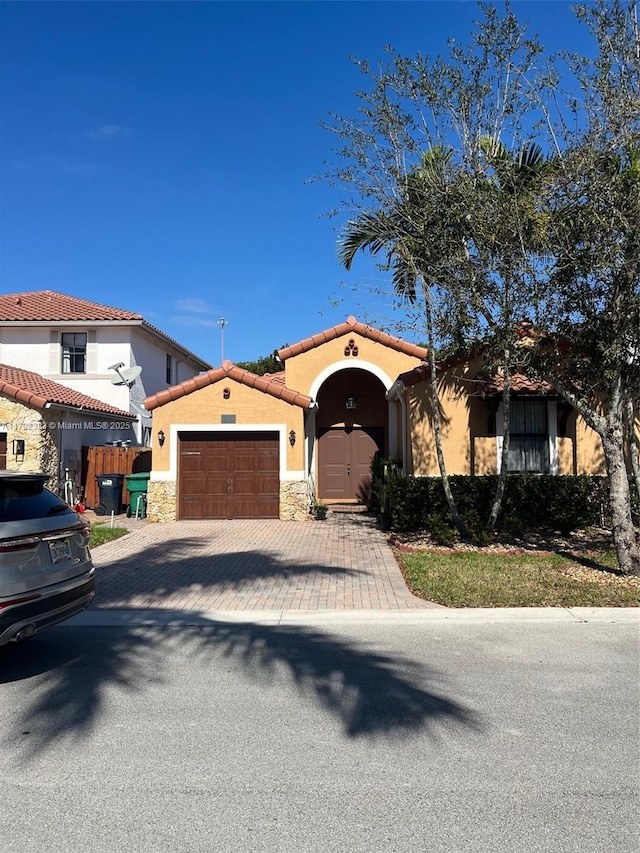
[[342, 564]]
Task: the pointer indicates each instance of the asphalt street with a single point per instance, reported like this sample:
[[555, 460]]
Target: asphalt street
[[423, 734]]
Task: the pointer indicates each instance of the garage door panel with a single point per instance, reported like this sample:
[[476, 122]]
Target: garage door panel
[[229, 475]]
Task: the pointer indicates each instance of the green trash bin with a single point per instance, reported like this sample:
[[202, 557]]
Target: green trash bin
[[137, 487]]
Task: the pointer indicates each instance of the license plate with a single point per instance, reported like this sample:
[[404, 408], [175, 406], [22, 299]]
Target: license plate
[[60, 551]]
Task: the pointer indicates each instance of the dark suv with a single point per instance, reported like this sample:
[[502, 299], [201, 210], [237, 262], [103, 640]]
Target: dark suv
[[46, 573]]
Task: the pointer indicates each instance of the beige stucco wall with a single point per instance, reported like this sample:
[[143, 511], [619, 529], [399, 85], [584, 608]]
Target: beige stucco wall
[[463, 421], [465, 425], [589, 455], [41, 453], [206, 408]]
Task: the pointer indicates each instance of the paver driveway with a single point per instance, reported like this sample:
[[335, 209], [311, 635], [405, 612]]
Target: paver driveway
[[343, 563]]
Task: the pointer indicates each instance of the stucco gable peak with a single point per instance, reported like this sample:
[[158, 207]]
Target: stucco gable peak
[[351, 326], [271, 385]]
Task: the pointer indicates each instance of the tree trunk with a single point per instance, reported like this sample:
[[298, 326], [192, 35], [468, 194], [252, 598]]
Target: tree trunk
[[504, 457], [437, 423], [633, 444], [610, 428], [624, 533]]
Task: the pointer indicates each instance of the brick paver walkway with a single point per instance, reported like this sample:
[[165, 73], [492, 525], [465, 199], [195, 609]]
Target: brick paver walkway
[[343, 563]]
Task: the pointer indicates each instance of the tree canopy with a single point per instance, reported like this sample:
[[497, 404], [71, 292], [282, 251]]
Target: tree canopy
[[501, 185]]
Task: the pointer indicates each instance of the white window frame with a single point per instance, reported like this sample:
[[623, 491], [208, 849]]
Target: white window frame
[[552, 437]]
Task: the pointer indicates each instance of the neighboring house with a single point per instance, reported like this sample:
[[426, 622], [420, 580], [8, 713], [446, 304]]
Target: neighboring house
[[77, 343], [44, 425], [232, 444]]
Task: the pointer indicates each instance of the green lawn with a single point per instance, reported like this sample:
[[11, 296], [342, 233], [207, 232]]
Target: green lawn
[[481, 579], [101, 533]]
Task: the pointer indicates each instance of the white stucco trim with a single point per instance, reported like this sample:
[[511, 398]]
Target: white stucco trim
[[552, 421], [174, 429], [330, 370], [344, 364], [552, 429]]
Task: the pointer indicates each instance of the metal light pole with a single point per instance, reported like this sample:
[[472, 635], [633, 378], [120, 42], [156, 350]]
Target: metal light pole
[[222, 323]]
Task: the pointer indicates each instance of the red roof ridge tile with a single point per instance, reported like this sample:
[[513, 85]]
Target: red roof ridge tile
[[348, 327], [265, 384], [32, 389]]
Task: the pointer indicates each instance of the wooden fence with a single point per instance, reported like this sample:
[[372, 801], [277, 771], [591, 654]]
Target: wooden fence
[[110, 460]]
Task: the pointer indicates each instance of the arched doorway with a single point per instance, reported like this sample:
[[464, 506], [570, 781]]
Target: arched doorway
[[350, 429]]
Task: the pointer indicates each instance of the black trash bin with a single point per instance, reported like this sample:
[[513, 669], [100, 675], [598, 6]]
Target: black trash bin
[[110, 488]]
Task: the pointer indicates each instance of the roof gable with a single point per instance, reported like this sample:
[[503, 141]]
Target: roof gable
[[31, 389], [272, 384], [48, 306], [348, 328]]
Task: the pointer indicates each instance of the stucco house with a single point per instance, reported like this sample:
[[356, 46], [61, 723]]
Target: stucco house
[[78, 343], [230, 444], [44, 425]]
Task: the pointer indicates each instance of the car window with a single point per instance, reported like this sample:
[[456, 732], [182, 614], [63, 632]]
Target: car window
[[20, 500]]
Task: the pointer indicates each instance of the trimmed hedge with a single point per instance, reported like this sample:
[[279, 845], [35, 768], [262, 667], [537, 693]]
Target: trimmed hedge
[[531, 501]]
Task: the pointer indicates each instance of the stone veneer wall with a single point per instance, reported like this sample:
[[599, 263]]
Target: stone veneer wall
[[161, 500], [40, 450], [162, 497], [294, 500]]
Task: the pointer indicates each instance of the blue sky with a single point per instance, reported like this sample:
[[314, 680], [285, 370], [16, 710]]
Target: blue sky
[[156, 156]]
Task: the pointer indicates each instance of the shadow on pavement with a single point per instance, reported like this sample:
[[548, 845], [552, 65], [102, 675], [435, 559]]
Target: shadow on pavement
[[177, 567], [70, 671]]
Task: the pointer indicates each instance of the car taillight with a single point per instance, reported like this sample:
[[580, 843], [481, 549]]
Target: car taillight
[[22, 544], [22, 600]]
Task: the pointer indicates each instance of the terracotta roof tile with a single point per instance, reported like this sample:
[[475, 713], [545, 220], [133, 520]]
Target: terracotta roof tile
[[519, 383], [34, 390], [487, 385], [268, 384], [47, 305], [348, 328]]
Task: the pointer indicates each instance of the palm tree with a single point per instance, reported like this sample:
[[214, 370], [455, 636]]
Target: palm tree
[[433, 241], [407, 233]]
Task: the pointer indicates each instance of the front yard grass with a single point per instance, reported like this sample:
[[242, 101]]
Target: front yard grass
[[101, 533], [481, 579]]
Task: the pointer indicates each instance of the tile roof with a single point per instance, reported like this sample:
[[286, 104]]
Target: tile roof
[[47, 305], [519, 384], [348, 328], [269, 384], [487, 385], [34, 390]]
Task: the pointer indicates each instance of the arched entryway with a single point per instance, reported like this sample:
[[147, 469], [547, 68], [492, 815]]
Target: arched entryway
[[350, 428]]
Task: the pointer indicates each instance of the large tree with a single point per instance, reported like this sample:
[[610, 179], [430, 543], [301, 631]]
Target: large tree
[[558, 247]]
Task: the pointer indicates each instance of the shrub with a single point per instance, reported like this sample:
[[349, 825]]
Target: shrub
[[531, 501]]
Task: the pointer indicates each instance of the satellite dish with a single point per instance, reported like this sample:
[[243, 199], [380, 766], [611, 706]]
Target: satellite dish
[[125, 375]]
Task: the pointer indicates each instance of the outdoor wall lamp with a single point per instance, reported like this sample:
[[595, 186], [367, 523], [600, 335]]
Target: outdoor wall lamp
[[161, 437], [351, 403], [18, 446], [292, 437]]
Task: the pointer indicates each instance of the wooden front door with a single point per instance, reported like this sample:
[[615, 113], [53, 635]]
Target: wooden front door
[[344, 462], [229, 475]]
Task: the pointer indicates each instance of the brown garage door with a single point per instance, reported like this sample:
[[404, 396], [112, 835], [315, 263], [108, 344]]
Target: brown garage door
[[229, 475]]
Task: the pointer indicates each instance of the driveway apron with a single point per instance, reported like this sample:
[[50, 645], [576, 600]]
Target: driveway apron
[[343, 563]]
